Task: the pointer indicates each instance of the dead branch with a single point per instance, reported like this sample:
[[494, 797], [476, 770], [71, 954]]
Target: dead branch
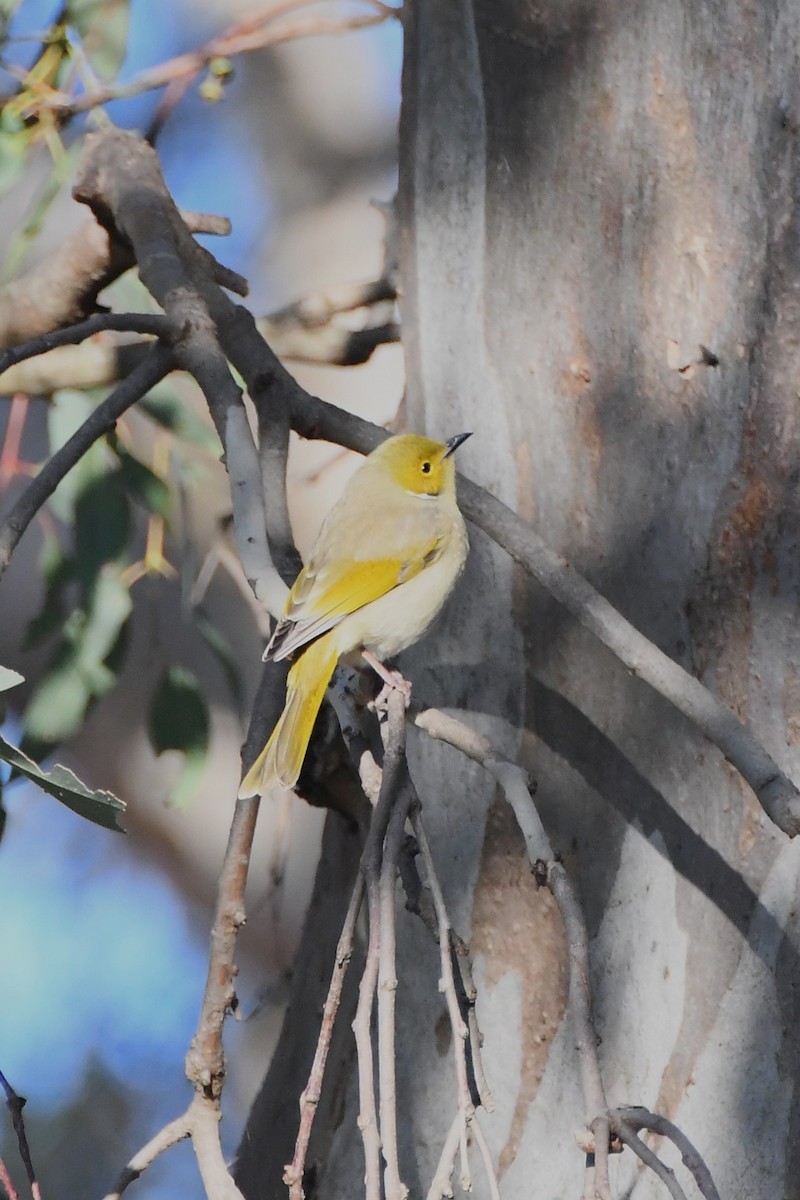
[[158, 364]]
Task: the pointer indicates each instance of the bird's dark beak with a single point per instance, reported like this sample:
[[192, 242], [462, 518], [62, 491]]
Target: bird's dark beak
[[451, 446]]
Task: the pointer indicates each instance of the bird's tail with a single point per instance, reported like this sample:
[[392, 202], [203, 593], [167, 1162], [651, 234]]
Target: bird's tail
[[282, 758]]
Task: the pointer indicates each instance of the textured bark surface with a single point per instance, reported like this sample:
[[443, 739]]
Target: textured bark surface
[[601, 271]]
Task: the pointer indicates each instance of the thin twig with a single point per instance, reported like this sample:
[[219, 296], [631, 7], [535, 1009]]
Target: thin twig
[[293, 1175], [158, 363], [16, 1104], [244, 36], [176, 1131], [395, 1189], [149, 323], [440, 1185], [394, 776], [6, 1182], [641, 1118], [362, 1030], [650, 1159]]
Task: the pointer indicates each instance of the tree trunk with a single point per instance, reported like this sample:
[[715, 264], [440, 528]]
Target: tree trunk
[[601, 278]]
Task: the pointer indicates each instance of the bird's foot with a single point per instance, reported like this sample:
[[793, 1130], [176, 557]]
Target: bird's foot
[[393, 681]]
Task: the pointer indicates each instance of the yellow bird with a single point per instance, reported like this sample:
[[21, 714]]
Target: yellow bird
[[384, 562]]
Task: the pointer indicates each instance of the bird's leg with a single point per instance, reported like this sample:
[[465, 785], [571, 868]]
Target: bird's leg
[[393, 681]]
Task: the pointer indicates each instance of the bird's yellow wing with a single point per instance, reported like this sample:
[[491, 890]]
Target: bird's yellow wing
[[322, 598]]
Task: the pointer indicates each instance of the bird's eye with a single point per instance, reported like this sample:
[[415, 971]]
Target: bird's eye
[[426, 468]]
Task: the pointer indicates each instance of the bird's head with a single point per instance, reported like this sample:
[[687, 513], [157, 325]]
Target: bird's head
[[420, 466]]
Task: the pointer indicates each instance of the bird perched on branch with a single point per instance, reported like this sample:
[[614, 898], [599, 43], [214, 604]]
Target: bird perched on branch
[[384, 562]]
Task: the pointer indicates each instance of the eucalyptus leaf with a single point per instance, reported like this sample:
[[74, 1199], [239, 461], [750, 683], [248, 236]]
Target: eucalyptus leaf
[[101, 807], [82, 669], [57, 707]]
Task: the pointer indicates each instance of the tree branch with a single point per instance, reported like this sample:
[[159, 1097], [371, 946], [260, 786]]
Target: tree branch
[[120, 179], [64, 287]]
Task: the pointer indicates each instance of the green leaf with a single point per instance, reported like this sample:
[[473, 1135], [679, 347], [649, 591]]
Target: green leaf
[[164, 406], [81, 670], [109, 608], [9, 678], [101, 807], [103, 29], [143, 484], [179, 721]]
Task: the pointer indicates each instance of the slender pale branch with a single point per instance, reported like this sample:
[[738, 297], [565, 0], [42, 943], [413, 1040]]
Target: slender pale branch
[[395, 1189], [176, 1131], [309, 1100]]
